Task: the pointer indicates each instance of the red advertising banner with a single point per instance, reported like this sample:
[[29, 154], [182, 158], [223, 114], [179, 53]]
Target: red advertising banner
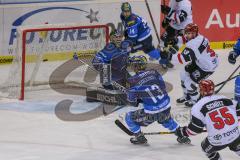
[[218, 20]]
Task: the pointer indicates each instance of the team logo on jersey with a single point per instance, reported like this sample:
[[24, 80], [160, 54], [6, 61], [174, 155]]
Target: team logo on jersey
[[218, 137]]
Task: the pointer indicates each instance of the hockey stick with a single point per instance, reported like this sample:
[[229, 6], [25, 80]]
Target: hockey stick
[[164, 3], [154, 26], [227, 80], [122, 88], [127, 131]]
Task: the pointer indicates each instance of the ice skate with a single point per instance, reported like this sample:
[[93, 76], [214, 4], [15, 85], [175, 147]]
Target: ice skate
[[138, 139]]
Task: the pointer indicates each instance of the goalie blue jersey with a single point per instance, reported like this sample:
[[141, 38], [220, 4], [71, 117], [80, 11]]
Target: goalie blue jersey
[[136, 28], [111, 54], [150, 82]]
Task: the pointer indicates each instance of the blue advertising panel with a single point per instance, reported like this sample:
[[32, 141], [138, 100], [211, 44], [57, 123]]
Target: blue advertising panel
[[32, 1]]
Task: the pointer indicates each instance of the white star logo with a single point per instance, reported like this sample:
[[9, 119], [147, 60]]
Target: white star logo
[[92, 16]]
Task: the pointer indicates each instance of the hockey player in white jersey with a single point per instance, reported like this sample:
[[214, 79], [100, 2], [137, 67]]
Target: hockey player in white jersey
[[177, 16], [200, 62], [220, 116]]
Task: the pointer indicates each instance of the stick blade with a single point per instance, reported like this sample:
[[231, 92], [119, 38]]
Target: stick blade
[[123, 128]]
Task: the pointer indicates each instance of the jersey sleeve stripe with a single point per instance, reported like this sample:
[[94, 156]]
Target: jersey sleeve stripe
[[195, 129], [179, 58], [183, 40], [197, 122], [176, 18], [196, 125], [190, 132]]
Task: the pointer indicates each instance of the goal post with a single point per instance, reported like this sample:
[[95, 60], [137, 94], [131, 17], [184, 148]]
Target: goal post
[[41, 46]]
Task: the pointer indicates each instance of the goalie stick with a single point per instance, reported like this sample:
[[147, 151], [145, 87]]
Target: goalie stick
[[117, 85], [105, 96], [122, 88]]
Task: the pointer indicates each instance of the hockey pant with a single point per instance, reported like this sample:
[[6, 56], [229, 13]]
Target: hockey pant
[[190, 77], [211, 151], [147, 47], [138, 118]]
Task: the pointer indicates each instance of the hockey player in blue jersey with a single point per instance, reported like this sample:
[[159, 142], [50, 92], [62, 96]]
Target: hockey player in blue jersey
[[115, 54], [156, 106], [232, 57], [138, 31]]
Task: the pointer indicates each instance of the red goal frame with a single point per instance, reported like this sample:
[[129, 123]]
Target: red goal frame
[[24, 33]]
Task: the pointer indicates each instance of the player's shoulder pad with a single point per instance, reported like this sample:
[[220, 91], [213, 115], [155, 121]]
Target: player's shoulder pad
[[110, 47], [185, 5], [132, 20], [193, 43]]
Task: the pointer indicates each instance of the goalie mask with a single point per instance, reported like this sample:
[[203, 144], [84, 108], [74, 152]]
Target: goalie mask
[[206, 87], [138, 63], [116, 38]]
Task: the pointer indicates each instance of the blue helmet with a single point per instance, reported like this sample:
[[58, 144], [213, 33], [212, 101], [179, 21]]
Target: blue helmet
[[126, 7], [138, 63]]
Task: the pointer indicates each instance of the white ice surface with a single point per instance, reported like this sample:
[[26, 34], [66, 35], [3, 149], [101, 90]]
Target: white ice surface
[[31, 131]]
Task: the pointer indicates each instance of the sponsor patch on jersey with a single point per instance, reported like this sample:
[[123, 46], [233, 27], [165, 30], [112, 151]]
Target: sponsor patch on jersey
[[130, 23]]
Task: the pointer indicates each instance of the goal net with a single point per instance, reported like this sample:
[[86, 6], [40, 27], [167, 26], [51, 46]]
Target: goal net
[[44, 57]]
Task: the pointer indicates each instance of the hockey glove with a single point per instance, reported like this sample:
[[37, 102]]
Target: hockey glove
[[232, 57], [165, 9], [172, 49], [171, 41], [165, 23]]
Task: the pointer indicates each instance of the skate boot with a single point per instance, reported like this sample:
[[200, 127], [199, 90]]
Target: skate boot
[[182, 99], [189, 103], [183, 140], [138, 139]]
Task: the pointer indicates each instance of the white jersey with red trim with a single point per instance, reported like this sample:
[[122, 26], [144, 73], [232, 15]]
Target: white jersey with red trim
[[180, 14], [197, 50], [219, 115]]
